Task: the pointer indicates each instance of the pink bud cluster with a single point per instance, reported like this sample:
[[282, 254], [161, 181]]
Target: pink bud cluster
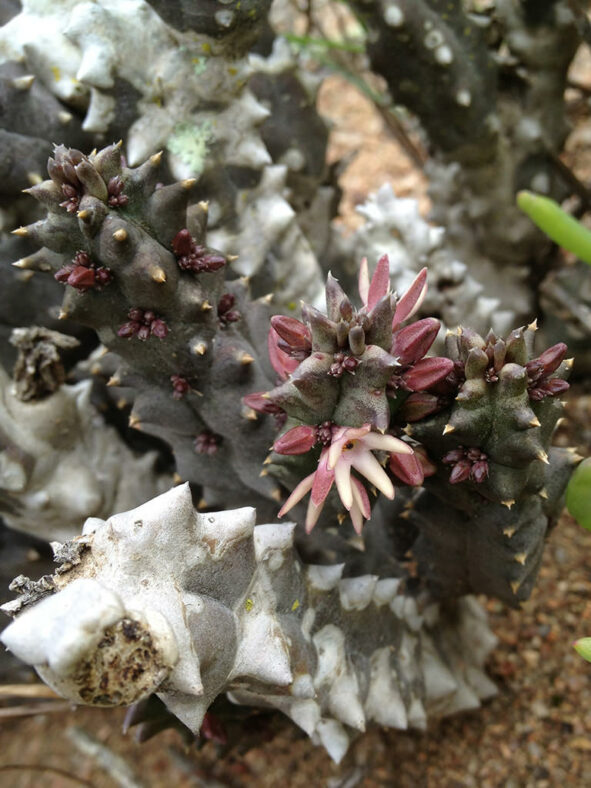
[[469, 463], [143, 324], [83, 275], [191, 256]]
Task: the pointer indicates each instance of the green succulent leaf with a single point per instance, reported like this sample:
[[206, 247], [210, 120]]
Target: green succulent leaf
[[578, 494], [560, 226], [583, 647]]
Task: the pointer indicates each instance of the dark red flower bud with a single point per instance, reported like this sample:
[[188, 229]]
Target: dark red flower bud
[[294, 333], [453, 456], [136, 315], [426, 373], [212, 729], [81, 278], [128, 329], [180, 386], [149, 316], [158, 328], [420, 405], [298, 440], [260, 403], [407, 468], [479, 471], [412, 342], [143, 333], [182, 243], [63, 274], [549, 360], [460, 472]]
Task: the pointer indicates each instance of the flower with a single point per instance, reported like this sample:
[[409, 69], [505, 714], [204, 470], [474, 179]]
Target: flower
[[350, 448]]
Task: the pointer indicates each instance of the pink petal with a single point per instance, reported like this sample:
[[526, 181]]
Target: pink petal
[[323, 479], [283, 364], [364, 281], [312, 515], [298, 440], [342, 477], [411, 300], [356, 518], [368, 466], [302, 489], [292, 331], [361, 498], [380, 282], [408, 468]]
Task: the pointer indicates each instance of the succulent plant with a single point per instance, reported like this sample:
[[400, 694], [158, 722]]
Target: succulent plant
[[238, 612]]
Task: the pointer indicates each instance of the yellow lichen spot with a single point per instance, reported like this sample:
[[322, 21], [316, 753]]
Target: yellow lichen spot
[[206, 47], [232, 71], [295, 605], [57, 74], [248, 605], [292, 305]]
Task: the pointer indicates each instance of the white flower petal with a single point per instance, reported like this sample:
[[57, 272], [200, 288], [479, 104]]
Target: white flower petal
[[386, 443], [342, 477], [368, 466]]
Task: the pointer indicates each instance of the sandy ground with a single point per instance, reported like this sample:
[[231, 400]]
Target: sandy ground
[[536, 732]]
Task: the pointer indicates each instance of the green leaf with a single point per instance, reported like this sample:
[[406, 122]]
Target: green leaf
[[578, 494], [583, 647], [560, 226]]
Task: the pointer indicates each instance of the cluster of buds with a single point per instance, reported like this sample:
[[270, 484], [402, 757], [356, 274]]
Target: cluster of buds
[[206, 443], [180, 386], [77, 175], [116, 198], [469, 463], [539, 382], [226, 312], [191, 256], [143, 324], [83, 275]]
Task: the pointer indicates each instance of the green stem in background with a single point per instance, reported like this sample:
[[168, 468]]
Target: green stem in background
[[578, 494], [560, 226]]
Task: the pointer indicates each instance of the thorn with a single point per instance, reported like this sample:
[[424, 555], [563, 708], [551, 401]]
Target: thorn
[[199, 349], [25, 276], [575, 458], [119, 144], [204, 205], [23, 83], [267, 461], [156, 159], [264, 472], [34, 178], [64, 117], [202, 504], [120, 235], [541, 455], [206, 306], [508, 503], [231, 258], [404, 515], [121, 403], [24, 262], [246, 359], [114, 381], [188, 183], [276, 495], [447, 429], [22, 232], [409, 505], [508, 532], [568, 362], [157, 275], [84, 214], [62, 315], [533, 326], [177, 478], [408, 430], [266, 299], [515, 586], [520, 558], [450, 333], [543, 493], [96, 370], [134, 421], [559, 423], [250, 414], [459, 331], [266, 395], [535, 422]]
